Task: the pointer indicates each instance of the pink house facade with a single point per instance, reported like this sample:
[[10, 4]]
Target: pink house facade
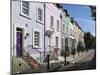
[[53, 26]]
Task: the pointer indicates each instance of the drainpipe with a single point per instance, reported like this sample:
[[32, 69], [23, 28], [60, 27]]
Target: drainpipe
[[61, 29], [44, 28]]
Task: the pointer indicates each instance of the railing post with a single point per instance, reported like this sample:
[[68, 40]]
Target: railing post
[[48, 62], [40, 56]]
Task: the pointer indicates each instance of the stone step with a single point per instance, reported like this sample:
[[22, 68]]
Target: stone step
[[32, 62]]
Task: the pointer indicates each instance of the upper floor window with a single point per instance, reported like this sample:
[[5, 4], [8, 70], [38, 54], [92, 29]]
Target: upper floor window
[[40, 14], [52, 21], [25, 8], [67, 29], [71, 32], [57, 24]]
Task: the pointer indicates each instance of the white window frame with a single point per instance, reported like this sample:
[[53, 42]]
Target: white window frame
[[57, 41], [26, 15], [39, 7], [34, 38], [67, 29], [58, 26], [40, 14], [51, 21]]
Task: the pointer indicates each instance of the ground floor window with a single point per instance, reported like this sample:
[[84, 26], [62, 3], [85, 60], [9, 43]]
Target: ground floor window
[[36, 38], [57, 42]]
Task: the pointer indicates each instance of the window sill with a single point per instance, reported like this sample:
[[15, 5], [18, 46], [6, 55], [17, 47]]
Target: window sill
[[34, 47], [39, 22], [52, 28], [25, 16]]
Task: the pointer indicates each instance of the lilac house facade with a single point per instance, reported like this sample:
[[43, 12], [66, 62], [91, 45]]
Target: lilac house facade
[[28, 29]]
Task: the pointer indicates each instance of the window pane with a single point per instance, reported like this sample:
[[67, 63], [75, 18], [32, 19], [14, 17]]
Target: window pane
[[36, 38], [25, 11], [63, 27], [52, 19], [66, 29], [40, 14], [57, 24], [56, 41], [25, 7], [25, 4]]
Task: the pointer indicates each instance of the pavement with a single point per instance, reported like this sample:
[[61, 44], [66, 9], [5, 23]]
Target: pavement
[[82, 63], [85, 58], [84, 55], [59, 65]]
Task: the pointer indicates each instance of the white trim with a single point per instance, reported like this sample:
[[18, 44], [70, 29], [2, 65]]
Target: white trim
[[53, 21], [33, 30], [23, 32], [37, 14], [22, 12]]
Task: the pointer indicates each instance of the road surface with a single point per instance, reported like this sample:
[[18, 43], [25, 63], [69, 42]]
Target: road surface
[[83, 63], [89, 56]]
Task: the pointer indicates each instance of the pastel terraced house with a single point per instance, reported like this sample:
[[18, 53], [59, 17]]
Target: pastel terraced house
[[65, 29], [28, 29], [76, 34], [81, 38], [71, 35], [53, 27]]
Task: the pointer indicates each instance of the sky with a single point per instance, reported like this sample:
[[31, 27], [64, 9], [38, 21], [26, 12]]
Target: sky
[[82, 14]]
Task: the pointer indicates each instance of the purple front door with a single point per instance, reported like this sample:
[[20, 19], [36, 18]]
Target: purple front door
[[19, 42]]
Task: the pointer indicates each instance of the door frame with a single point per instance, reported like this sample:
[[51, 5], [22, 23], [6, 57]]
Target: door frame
[[23, 32], [22, 39], [15, 26]]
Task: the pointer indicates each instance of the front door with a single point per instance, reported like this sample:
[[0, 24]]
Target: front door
[[19, 42]]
